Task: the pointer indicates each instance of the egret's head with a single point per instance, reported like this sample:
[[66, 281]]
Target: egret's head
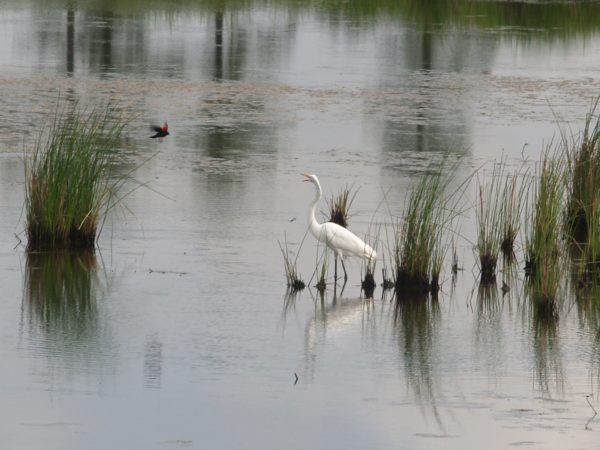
[[310, 177]]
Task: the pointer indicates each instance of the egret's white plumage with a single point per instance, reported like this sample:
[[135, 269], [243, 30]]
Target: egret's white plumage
[[339, 239]]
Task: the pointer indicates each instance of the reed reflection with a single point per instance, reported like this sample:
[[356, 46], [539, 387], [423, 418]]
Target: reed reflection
[[153, 362], [560, 18], [70, 39], [61, 311], [587, 304], [59, 292], [510, 274], [489, 327], [548, 370], [548, 373], [218, 45], [416, 319], [488, 305], [523, 20]]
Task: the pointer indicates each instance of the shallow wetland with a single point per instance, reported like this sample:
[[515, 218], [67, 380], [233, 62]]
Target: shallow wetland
[[178, 330]]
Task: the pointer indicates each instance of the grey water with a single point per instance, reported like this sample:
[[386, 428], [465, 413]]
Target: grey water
[[177, 331]]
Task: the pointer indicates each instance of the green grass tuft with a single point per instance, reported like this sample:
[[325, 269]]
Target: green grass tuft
[[543, 231], [339, 206], [419, 246], [583, 178], [294, 281], [68, 184], [498, 210]]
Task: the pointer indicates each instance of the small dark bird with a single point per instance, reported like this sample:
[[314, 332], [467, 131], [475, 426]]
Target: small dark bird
[[160, 131]]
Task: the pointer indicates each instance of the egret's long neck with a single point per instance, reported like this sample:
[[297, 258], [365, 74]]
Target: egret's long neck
[[315, 227]]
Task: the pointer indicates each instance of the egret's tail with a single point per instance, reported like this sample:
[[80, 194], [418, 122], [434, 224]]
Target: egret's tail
[[369, 252]]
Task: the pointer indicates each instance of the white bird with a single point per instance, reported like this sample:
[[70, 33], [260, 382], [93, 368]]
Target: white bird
[[339, 239]]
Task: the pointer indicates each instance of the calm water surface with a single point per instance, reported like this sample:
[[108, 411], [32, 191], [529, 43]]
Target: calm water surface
[[177, 332]]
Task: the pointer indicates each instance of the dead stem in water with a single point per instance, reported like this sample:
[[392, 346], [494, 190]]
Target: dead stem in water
[[294, 281]]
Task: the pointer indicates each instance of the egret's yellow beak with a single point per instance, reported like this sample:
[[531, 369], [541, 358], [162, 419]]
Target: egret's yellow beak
[[306, 177]]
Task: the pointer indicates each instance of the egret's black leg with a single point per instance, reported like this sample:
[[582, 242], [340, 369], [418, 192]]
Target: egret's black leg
[[335, 270], [344, 267]]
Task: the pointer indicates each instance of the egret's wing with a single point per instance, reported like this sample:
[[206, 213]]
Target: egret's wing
[[344, 241]]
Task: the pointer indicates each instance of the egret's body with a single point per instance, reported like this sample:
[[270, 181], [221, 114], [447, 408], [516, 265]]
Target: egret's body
[[339, 239]]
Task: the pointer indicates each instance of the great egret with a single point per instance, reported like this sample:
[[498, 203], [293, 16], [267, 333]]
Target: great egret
[[339, 239]]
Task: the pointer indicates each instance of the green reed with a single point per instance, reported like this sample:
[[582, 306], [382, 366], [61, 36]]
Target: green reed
[[513, 197], [368, 283], [322, 279], [488, 215], [543, 230], [294, 281], [498, 213], [418, 250], [339, 206], [68, 183], [583, 179]]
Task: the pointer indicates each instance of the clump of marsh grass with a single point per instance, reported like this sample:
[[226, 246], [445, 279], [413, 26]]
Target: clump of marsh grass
[[388, 282], [368, 284], [339, 206], [294, 281], [513, 195], [543, 232], [488, 214], [583, 178], [589, 251], [68, 183], [322, 272], [418, 243], [497, 214], [582, 217], [322, 280]]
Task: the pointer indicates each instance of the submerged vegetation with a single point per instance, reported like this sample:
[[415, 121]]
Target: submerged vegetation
[[68, 180]]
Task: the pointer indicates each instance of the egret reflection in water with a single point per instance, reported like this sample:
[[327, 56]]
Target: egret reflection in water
[[334, 319]]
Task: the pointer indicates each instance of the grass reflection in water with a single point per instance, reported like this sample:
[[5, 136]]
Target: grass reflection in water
[[60, 293]]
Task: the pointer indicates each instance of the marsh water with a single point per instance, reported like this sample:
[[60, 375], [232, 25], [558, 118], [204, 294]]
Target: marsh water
[[177, 331]]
